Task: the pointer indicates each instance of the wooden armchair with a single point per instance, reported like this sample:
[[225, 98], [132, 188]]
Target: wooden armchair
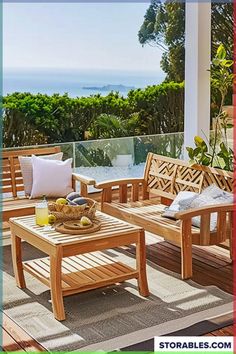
[[17, 203], [142, 201]]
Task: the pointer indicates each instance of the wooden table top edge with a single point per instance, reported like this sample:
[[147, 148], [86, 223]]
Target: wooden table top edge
[[83, 238]]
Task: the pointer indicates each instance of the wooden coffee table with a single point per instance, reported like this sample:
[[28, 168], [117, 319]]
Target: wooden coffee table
[[75, 263]]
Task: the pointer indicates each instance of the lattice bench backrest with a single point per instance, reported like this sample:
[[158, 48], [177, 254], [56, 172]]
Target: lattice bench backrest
[[167, 176], [12, 181]]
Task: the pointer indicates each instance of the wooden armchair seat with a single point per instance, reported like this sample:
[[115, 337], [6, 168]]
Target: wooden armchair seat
[[149, 212]]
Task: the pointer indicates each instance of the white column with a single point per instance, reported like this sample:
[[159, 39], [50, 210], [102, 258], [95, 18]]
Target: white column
[[197, 76]]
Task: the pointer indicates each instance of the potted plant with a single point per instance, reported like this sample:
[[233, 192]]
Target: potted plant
[[219, 153]]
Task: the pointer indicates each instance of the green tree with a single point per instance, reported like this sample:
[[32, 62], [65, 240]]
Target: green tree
[[160, 108], [164, 27]]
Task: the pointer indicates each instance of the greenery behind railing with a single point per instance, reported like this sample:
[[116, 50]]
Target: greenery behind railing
[[32, 119]]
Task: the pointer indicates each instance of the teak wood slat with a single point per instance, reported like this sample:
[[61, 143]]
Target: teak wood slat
[[75, 262], [11, 165], [205, 227], [123, 194], [164, 178], [9, 344], [135, 192], [90, 274], [7, 181]]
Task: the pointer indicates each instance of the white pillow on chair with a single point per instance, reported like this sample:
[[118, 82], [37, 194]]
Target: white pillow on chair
[[51, 177], [181, 202], [27, 169], [185, 200], [216, 192], [211, 195]]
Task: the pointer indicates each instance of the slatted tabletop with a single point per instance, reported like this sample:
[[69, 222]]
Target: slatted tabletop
[[109, 226]]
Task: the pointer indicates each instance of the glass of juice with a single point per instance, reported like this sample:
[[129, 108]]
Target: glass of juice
[[41, 214]]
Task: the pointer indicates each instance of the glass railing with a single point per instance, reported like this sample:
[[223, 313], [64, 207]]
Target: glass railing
[[123, 157], [119, 157]]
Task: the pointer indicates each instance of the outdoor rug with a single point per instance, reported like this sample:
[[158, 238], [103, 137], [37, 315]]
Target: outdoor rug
[[113, 317]]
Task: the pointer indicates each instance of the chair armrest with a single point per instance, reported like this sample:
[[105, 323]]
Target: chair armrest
[[84, 179], [189, 214], [123, 185], [222, 231], [118, 182], [84, 183]]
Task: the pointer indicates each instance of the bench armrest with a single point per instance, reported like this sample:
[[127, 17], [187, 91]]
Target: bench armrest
[[84, 179], [191, 213], [84, 183], [124, 185], [223, 228], [118, 182]]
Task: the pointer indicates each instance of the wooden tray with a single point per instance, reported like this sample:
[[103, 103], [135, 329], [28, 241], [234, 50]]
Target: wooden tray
[[96, 225], [75, 225]]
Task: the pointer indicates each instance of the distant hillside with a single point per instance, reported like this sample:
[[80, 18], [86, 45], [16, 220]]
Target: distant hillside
[[110, 88]]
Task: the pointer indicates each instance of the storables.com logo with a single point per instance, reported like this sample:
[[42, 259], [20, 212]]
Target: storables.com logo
[[194, 344]]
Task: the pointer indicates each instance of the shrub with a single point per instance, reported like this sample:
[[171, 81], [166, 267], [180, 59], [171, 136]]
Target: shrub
[[31, 119]]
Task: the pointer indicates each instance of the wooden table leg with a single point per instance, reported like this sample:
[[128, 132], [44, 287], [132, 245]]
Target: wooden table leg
[[56, 284], [17, 260], [141, 264]]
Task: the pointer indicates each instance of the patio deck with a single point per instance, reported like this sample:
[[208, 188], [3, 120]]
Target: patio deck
[[17, 340], [211, 266]]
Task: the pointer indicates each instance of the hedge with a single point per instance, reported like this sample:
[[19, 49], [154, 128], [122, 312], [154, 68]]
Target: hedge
[[30, 119]]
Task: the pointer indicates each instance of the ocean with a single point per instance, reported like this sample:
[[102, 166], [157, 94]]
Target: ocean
[[76, 83]]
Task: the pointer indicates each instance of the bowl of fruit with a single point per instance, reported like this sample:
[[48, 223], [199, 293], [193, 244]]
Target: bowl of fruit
[[74, 206]]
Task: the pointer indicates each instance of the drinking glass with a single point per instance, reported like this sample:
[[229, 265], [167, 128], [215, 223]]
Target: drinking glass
[[41, 214]]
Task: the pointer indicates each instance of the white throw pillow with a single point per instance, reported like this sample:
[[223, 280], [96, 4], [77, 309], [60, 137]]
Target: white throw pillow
[[181, 202], [216, 192], [51, 177], [185, 200], [27, 169], [212, 195]]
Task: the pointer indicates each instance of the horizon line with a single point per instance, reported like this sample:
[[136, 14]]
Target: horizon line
[[80, 68]]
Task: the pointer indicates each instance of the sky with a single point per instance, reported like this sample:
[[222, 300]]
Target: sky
[[76, 35]]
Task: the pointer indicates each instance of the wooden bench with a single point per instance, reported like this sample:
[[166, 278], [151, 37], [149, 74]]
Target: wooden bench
[[16, 203], [163, 178]]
